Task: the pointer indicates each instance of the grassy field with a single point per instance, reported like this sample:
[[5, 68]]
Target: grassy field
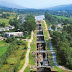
[[13, 61], [3, 50], [27, 69], [3, 47], [55, 68], [70, 18], [5, 20], [2, 43], [44, 31]]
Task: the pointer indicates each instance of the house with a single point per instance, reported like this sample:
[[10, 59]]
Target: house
[[50, 29], [2, 29], [12, 34], [2, 38], [59, 25], [11, 27], [0, 15], [22, 19], [6, 29]]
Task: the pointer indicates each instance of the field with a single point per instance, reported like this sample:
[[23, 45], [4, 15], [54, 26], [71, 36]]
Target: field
[[3, 50], [15, 60], [3, 47], [44, 31], [5, 20], [63, 17], [2, 43]]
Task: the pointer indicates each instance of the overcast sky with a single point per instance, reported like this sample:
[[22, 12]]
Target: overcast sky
[[39, 3]]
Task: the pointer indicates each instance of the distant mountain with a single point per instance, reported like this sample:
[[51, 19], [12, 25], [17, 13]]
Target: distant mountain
[[10, 5], [61, 7]]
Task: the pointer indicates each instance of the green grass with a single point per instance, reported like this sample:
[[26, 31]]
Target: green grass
[[6, 21], [3, 50], [33, 48], [58, 69], [22, 62], [14, 60], [2, 43], [27, 69], [44, 31], [70, 18], [3, 47]]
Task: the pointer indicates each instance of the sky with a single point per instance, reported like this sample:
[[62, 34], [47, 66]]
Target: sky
[[39, 3]]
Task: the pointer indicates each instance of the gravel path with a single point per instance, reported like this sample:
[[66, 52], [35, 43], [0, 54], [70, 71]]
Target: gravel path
[[27, 55]]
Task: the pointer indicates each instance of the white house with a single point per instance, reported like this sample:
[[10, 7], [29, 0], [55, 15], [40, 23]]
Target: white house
[[12, 34], [2, 29], [59, 25], [11, 27]]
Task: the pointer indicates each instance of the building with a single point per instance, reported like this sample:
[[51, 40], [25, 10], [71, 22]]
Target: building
[[50, 29], [59, 25], [2, 29], [0, 15], [7, 28], [22, 19], [12, 34], [39, 18], [11, 27]]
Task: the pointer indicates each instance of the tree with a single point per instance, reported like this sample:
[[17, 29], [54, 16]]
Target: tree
[[53, 27]]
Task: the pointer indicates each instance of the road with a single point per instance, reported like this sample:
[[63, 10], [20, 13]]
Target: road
[[27, 54], [53, 54]]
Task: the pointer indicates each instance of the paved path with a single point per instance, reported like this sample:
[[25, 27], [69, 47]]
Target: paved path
[[27, 55], [53, 54]]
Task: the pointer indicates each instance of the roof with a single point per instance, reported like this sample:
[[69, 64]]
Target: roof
[[14, 33], [41, 17]]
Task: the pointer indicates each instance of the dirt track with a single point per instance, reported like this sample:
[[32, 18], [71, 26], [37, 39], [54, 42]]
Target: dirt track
[[27, 54]]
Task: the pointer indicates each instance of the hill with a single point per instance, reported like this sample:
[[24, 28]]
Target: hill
[[61, 7], [4, 4]]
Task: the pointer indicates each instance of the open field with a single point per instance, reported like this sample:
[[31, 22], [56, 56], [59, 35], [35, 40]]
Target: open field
[[3, 47], [2, 43], [3, 50], [5, 20], [15, 60], [27, 69], [44, 31], [70, 18]]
